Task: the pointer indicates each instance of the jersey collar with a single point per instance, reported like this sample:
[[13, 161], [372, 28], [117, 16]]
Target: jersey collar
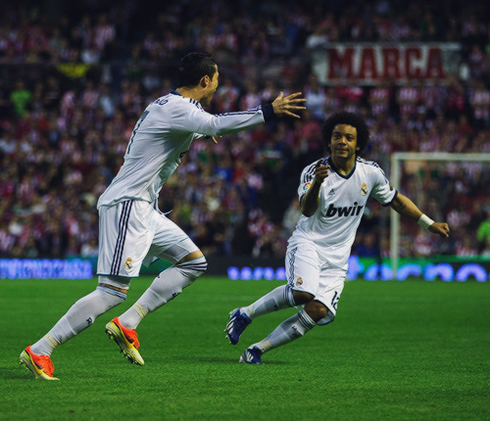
[[330, 162], [192, 101]]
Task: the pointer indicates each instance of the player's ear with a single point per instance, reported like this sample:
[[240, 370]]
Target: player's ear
[[205, 81]]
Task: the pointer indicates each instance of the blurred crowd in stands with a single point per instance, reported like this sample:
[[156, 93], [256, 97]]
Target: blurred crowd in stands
[[73, 83]]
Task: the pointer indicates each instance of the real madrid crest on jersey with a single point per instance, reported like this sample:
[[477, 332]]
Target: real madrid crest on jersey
[[364, 189], [129, 263]]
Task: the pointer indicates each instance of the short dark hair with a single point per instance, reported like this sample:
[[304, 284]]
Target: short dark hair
[[194, 66], [345, 117]]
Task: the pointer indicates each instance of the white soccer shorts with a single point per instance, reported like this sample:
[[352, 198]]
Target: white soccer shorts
[[133, 233], [307, 272]]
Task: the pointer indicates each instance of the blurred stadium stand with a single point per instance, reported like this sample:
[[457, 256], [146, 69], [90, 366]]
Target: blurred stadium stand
[[73, 81]]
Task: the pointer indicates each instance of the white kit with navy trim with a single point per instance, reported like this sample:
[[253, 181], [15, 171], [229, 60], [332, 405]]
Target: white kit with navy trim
[[161, 137], [332, 228], [132, 230]]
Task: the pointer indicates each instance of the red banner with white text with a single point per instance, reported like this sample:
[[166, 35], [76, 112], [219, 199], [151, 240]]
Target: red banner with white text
[[370, 62]]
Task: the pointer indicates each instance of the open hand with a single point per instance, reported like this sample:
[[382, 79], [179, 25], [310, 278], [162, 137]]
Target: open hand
[[288, 105]]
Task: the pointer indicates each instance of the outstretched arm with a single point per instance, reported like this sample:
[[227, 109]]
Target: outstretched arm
[[219, 125], [281, 107], [404, 206]]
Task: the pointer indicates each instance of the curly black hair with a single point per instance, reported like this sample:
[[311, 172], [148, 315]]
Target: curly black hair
[[345, 117]]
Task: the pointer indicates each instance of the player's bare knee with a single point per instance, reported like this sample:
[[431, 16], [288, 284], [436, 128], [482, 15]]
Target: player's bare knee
[[301, 298]]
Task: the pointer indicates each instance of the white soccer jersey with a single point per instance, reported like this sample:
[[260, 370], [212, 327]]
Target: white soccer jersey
[[333, 226], [161, 137]]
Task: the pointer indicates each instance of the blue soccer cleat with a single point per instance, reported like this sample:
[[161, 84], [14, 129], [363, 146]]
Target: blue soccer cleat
[[251, 356], [236, 325]]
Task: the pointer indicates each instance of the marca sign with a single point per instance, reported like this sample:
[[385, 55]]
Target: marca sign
[[394, 62]]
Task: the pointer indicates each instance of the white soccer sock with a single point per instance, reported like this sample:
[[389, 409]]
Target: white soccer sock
[[165, 287], [81, 315], [289, 330], [277, 299]]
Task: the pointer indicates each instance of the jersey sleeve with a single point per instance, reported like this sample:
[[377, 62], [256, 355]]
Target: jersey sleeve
[[193, 118], [382, 191], [306, 179]]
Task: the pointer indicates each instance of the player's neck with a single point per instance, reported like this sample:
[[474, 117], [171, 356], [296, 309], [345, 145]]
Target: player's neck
[[190, 93], [344, 166]]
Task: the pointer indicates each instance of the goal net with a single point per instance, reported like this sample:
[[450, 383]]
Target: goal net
[[451, 187]]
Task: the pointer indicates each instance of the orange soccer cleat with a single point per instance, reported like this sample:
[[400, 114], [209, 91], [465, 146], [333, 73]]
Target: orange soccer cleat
[[40, 365], [126, 339]]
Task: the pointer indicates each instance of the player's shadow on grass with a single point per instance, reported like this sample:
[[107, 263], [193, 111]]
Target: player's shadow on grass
[[15, 373], [216, 360]]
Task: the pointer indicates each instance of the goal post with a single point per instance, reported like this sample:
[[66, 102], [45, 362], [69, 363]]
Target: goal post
[[397, 159]]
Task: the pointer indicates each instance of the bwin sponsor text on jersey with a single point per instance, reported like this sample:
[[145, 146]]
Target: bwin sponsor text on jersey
[[343, 210]]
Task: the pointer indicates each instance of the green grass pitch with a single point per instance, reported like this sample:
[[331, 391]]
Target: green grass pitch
[[409, 350]]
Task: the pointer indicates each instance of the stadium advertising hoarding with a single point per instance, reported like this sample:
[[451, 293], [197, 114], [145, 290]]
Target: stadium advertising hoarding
[[46, 269], [368, 63], [445, 268]]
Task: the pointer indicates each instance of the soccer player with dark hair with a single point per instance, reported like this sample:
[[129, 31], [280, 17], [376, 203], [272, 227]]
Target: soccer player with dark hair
[[132, 229], [333, 193]]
